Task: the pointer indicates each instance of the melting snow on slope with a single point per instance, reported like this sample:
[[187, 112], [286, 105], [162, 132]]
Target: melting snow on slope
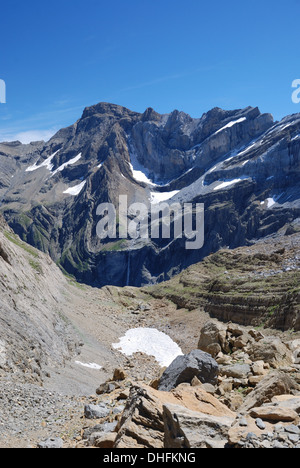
[[269, 201], [151, 342], [231, 124], [141, 176], [47, 163], [92, 365], [158, 197], [75, 190], [296, 137], [242, 150], [69, 163], [227, 184], [139, 172]]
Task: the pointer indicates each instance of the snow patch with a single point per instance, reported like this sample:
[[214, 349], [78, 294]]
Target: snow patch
[[228, 183], [47, 164], [231, 124], [69, 163], [151, 342], [286, 126], [75, 190], [91, 365], [242, 150], [281, 126], [296, 138], [248, 148], [271, 201], [159, 197], [139, 172], [141, 176]]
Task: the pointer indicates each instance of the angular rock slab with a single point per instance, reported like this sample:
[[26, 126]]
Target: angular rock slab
[[142, 423], [275, 414], [190, 429], [275, 384]]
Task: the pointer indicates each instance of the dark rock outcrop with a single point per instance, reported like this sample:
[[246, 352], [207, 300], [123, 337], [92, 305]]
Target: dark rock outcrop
[[184, 368]]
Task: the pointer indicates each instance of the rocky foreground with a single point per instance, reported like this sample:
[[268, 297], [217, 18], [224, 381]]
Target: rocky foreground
[[240, 389]]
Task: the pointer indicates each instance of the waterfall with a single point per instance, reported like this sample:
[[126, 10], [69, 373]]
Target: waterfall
[[128, 268], [131, 247]]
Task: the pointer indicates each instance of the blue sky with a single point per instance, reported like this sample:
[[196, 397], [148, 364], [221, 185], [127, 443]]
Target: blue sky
[[58, 57]]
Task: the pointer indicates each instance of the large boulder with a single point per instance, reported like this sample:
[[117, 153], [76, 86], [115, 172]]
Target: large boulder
[[105, 441], [216, 338], [275, 413], [288, 401], [276, 383], [142, 424], [96, 411], [186, 429], [213, 338], [236, 371], [184, 368], [294, 346], [271, 350]]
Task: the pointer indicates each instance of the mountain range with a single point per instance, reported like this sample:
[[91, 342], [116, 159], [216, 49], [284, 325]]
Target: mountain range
[[224, 318], [240, 164]]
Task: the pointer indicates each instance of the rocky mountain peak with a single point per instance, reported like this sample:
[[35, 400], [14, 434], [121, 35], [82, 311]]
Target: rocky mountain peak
[[105, 108], [239, 163], [150, 115]]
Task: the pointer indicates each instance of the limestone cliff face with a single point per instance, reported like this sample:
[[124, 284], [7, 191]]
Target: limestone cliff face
[[241, 165], [173, 144], [256, 285]]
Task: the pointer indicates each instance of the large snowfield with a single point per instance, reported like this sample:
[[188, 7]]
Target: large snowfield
[[151, 342]]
